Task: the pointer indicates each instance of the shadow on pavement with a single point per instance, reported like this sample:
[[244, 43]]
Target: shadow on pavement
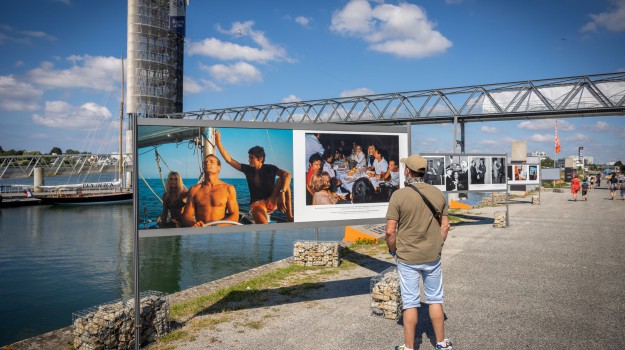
[[306, 291], [473, 220], [424, 331]]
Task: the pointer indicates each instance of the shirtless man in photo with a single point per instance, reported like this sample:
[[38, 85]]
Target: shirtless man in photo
[[211, 200]]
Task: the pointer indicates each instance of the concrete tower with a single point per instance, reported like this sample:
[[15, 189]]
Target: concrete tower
[[156, 30]]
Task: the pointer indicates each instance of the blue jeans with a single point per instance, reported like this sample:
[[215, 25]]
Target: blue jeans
[[432, 275]]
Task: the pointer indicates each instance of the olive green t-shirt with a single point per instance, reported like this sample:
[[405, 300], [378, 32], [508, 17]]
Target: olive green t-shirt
[[418, 236]]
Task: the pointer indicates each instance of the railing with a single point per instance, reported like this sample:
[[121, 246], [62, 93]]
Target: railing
[[14, 167]]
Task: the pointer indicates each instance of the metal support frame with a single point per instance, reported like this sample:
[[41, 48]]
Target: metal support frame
[[577, 96]]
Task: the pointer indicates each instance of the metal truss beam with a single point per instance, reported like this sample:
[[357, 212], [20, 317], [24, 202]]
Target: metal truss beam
[[568, 97]]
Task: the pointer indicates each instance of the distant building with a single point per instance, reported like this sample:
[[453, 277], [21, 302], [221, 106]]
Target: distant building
[[575, 160], [541, 155]]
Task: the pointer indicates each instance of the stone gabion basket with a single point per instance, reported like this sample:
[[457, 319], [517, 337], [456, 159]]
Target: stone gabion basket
[[500, 219], [311, 253], [111, 326], [492, 200], [386, 295], [535, 200]]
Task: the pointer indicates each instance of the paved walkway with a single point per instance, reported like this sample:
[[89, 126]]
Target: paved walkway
[[554, 279]]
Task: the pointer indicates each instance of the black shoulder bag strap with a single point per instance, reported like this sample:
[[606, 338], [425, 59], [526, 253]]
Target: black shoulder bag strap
[[435, 213]]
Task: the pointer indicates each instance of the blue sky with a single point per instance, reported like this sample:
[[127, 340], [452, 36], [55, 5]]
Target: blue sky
[[60, 72]]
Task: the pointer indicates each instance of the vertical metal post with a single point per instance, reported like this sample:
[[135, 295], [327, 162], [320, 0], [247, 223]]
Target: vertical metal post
[[453, 147], [507, 206], [316, 233], [540, 182], [462, 137], [135, 203], [409, 132]]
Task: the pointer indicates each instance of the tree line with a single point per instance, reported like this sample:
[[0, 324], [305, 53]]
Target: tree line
[[53, 151]]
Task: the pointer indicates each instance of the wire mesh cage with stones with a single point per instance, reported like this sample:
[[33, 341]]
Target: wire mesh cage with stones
[[386, 295], [111, 325], [501, 220], [315, 253]]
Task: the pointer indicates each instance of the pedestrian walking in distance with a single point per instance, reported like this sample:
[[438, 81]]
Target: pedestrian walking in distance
[[416, 229]]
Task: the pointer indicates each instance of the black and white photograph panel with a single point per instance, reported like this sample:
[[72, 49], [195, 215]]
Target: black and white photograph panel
[[498, 171], [477, 170], [457, 174], [435, 171]]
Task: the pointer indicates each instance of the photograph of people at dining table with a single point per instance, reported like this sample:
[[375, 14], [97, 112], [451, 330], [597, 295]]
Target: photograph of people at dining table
[[350, 168]]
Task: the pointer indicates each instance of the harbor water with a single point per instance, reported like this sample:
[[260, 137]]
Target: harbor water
[[55, 260]]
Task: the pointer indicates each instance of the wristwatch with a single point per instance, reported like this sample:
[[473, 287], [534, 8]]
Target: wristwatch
[[392, 253]]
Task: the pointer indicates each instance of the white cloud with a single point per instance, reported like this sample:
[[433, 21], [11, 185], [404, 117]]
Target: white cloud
[[291, 98], [18, 96], [546, 124], [489, 142], [542, 138], [427, 141], [602, 126], [613, 19], [191, 86], [402, 30], [215, 48], [489, 129], [303, 21], [95, 72], [357, 92], [8, 33], [60, 114], [577, 137], [240, 72]]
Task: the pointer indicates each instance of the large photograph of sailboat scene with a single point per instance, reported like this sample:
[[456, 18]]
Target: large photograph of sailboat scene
[[206, 177]]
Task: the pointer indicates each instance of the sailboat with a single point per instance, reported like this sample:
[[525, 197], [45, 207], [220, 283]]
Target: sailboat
[[111, 192]]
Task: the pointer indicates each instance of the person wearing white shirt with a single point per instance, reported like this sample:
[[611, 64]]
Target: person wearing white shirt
[[370, 158], [328, 159], [313, 145], [359, 157], [380, 165]]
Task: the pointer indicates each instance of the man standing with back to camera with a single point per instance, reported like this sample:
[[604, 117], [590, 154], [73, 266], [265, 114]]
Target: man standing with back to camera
[[417, 248]]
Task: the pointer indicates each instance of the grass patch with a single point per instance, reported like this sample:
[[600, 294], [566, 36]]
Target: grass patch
[[254, 324], [210, 321], [292, 280], [175, 335], [235, 293]]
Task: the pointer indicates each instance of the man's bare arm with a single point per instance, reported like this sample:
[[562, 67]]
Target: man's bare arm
[[232, 206], [391, 230], [233, 163], [281, 189], [444, 227]]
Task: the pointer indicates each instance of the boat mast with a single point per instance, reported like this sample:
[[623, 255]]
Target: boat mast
[[121, 128]]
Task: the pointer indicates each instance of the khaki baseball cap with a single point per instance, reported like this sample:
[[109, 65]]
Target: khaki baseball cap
[[415, 162]]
